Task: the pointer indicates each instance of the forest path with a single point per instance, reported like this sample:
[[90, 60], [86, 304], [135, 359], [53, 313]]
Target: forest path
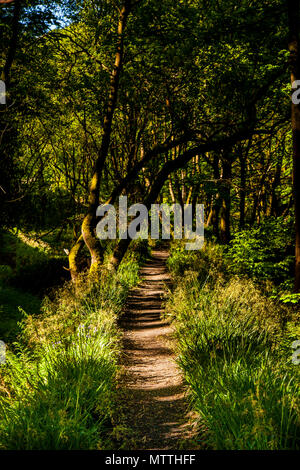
[[154, 394]]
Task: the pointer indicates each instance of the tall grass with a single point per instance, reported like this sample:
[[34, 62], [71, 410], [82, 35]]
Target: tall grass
[[57, 388], [234, 347]]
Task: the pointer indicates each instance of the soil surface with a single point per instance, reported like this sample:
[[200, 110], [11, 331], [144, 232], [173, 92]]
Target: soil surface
[[155, 405]]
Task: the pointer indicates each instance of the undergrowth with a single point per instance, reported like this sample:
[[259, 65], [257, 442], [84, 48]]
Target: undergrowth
[[234, 347], [57, 387]]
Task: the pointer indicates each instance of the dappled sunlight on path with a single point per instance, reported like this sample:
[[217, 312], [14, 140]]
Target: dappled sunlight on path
[[155, 404]]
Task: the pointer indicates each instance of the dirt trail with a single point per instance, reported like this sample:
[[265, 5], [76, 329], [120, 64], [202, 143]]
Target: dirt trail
[[155, 406]]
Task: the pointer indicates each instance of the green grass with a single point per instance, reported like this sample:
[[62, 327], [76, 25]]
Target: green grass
[[234, 347], [57, 388], [62, 401]]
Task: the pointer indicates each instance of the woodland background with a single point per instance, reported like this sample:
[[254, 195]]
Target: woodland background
[[161, 101]]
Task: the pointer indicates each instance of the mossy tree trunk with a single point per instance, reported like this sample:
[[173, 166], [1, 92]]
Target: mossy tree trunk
[[74, 258], [88, 228]]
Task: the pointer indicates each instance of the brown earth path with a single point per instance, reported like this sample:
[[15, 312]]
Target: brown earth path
[[155, 405]]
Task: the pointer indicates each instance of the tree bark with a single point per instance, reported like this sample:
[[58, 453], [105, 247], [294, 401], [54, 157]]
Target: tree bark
[[242, 191], [275, 206], [226, 201], [8, 132], [73, 258], [293, 46], [216, 204]]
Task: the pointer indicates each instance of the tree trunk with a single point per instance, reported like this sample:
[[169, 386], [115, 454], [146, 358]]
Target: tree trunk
[[243, 179], [226, 201], [174, 165], [8, 132], [293, 46], [242, 191], [73, 258], [89, 223], [216, 205], [275, 206]]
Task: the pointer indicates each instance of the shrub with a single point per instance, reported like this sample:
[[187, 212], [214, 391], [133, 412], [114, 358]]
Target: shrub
[[181, 260], [264, 251]]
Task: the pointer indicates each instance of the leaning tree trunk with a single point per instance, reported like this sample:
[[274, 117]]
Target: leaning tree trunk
[[293, 15], [88, 228], [74, 258], [173, 165]]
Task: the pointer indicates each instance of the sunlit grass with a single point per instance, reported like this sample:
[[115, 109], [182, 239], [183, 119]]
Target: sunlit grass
[[233, 345], [57, 389]]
